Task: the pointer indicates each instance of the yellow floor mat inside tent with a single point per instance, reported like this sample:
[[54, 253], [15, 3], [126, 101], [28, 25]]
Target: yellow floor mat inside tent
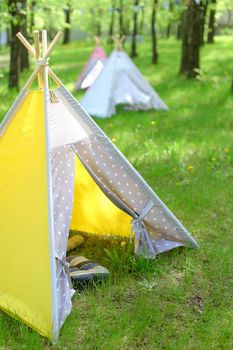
[[93, 211]]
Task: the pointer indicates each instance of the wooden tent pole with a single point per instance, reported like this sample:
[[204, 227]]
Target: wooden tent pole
[[26, 44], [46, 52], [33, 53], [53, 43], [32, 78], [45, 56], [37, 52], [118, 41], [54, 77], [97, 41]]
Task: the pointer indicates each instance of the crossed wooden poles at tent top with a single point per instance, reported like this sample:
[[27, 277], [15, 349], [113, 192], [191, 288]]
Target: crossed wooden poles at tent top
[[42, 62], [118, 41]]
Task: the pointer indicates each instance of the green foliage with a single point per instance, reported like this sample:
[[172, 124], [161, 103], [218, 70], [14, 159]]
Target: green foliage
[[183, 299], [93, 16]]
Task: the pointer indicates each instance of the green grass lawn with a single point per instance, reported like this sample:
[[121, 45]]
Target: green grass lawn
[[184, 299]]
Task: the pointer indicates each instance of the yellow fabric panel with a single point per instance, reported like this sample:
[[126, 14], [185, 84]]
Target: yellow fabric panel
[[93, 211], [25, 283]]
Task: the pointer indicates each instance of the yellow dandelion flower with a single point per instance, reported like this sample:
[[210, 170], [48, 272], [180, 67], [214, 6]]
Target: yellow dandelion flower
[[123, 244], [153, 122], [226, 150], [110, 126], [190, 167], [113, 139]]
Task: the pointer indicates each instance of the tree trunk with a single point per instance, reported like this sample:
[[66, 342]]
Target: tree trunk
[[142, 19], [169, 18], [185, 43], [14, 45], [112, 21], [121, 26], [8, 36], [135, 30], [98, 29], [32, 17], [127, 26], [179, 27], [24, 56], [67, 21], [191, 40], [154, 33], [204, 6], [211, 26]]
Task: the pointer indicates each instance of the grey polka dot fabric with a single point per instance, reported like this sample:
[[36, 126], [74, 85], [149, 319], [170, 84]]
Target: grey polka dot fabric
[[63, 194], [158, 229], [128, 194]]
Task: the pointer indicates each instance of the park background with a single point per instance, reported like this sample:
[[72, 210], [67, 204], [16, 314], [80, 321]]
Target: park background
[[183, 299]]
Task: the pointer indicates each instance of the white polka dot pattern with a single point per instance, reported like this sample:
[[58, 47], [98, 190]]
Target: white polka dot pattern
[[63, 191]]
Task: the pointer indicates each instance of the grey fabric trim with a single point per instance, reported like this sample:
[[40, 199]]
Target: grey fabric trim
[[128, 168], [63, 192], [53, 265], [12, 111]]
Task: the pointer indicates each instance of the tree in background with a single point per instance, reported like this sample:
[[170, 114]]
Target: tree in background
[[211, 25], [121, 23], [191, 27], [32, 6], [179, 26], [127, 19], [135, 29], [14, 12], [170, 14], [92, 16], [24, 57], [154, 32], [142, 18], [204, 7], [67, 11], [112, 22]]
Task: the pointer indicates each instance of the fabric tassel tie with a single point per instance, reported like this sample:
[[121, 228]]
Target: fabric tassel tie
[[140, 231], [65, 269]]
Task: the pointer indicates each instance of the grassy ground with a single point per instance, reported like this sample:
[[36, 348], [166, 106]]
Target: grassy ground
[[183, 300]]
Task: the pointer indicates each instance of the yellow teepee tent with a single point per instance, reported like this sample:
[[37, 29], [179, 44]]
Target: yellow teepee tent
[[58, 171]]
